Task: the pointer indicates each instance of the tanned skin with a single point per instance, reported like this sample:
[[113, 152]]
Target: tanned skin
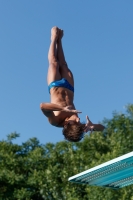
[[61, 109]]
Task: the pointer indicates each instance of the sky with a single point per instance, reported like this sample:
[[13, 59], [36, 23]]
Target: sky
[[98, 46]]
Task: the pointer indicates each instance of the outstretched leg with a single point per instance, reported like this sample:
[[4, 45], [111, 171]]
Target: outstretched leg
[[53, 70], [64, 70]]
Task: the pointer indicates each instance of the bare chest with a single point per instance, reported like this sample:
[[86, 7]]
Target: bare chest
[[63, 97]]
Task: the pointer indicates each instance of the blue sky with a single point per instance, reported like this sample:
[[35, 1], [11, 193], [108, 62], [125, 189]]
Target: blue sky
[[98, 45]]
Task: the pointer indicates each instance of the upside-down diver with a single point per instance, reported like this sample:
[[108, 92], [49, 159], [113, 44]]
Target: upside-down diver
[[61, 112]]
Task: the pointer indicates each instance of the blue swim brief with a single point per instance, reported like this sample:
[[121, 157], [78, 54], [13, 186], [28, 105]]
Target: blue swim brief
[[61, 83]]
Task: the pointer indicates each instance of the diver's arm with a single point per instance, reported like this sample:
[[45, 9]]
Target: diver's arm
[[51, 107], [98, 127], [48, 108], [92, 127]]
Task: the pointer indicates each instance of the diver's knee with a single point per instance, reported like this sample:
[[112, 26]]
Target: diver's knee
[[53, 66]]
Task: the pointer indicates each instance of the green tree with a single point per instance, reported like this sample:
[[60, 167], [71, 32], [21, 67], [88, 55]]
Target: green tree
[[33, 171]]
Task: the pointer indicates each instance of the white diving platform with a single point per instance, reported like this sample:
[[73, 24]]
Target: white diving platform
[[115, 174]]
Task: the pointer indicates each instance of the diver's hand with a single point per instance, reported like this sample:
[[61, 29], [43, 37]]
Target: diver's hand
[[89, 125], [71, 110]]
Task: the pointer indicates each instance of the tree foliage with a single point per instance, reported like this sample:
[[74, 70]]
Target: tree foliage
[[33, 171]]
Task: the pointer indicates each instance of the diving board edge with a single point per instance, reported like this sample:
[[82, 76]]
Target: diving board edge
[[111, 162]]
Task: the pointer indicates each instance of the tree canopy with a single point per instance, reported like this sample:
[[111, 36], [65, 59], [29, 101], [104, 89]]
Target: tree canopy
[[35, 171]]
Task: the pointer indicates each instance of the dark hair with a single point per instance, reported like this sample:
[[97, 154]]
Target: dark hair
[[73, 132]]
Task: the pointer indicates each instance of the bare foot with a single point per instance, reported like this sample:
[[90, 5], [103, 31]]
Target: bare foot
[[54, 33], [61, 33]]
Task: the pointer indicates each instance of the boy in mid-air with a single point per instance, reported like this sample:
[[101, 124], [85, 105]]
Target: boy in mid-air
[[61, 112]]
